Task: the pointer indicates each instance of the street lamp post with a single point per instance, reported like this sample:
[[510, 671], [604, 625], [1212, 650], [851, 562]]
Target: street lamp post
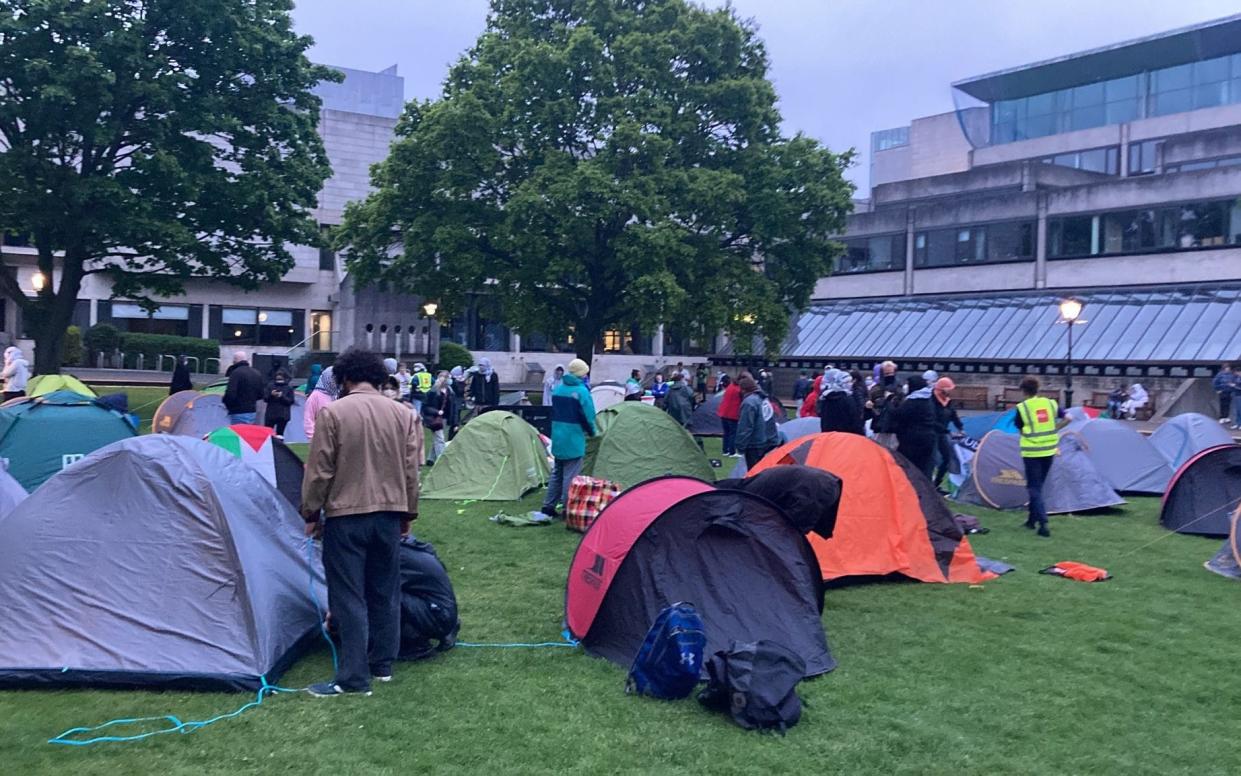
[[1070, 315], [433, 355]]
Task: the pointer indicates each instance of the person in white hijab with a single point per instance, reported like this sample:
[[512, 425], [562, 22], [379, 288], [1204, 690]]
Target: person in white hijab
[[550, 381], [16, 373]]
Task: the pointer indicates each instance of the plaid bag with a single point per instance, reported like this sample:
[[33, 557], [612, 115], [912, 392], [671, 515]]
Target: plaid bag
[[587, 498]]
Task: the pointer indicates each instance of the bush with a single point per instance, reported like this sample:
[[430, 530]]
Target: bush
[[452, 354], [103, 337], [71, 351], [152, 346]]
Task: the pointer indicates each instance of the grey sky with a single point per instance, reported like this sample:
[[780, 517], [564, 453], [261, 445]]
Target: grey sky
[[842, 68]]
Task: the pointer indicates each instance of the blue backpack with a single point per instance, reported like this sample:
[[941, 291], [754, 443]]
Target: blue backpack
[[670, 659]]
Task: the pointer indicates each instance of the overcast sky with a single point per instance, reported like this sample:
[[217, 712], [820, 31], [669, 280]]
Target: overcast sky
[[842, 68]]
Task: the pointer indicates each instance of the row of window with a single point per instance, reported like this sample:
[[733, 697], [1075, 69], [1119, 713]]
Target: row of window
[[1161, 92], [1210, 224], [230, 325]]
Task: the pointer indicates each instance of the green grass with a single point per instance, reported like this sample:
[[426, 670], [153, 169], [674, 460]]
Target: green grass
[[143, 401], [1025, 674]]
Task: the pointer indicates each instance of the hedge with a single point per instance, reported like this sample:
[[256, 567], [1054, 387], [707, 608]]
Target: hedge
[[452, 354], [150, 346]]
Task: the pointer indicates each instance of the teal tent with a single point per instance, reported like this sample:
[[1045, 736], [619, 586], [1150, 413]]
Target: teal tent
[[41, 435]]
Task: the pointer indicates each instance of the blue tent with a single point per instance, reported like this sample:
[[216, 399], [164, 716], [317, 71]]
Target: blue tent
[[978, 425]]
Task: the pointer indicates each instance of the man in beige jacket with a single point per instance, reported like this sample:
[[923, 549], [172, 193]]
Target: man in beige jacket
[[362, 472]]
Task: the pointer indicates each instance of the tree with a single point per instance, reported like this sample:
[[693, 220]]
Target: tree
[[153, 141], [603, 163]]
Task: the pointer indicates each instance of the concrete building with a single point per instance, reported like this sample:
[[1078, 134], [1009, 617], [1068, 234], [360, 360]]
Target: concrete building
[[1112, 175], [316, 309]]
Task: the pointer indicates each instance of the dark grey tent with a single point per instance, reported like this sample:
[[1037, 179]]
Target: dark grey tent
[[1183, 436], [158, 561], [997, 478], [190, 413], [1205, 492], [706, 420], [1125, 458]]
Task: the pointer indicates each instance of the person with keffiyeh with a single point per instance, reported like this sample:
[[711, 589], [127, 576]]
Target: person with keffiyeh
[[485, 385], [837, 409], [324, 393]]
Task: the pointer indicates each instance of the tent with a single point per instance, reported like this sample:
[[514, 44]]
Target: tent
[[746, 568], [1181, 437], [798, 428], [190, 413], [706, 420], [997, 478], [637, 442], [890, 521], [295, 431], [1227, 562], [977, 426], [158, 561], [607, 394], [1204, 492], [258, 447], [11, 493], [45, 384], [1125, 458], [43, 434], [497, 456]]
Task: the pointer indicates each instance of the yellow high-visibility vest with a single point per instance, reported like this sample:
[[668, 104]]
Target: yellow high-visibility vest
[[1038, 427], [424, 381]]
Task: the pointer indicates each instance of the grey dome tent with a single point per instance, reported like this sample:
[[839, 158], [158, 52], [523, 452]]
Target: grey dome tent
[[1125, 458], [158, 561], [190, 413], [1204, 493], [792, 430], [1183, 436], [997, 478], [706, 419], [11, 492]]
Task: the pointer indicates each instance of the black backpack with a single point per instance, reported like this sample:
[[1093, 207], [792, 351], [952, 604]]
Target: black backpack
[[755, 684]]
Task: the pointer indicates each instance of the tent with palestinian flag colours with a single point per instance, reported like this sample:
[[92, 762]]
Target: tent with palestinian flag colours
[[258, 447]]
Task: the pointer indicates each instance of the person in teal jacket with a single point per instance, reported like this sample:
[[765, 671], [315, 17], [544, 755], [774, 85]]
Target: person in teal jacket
[[573, 419]]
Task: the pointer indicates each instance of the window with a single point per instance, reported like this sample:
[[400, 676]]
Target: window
[[982, 244], [873, 254], [1205, 164], [276, 328], [1079, 107], [321, 330], [889, 138], [1166, 228], [1195, 85], [168, 319], [612, 340], [1142, 157], [1104, 160], [240, 325], [327, 256]]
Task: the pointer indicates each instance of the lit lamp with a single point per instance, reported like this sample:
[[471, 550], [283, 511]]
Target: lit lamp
[[429, 308], [37, 281], [1070, 315], [432, 330]]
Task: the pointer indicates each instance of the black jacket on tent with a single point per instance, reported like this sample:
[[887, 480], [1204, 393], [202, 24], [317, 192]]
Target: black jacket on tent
[[748, 570]]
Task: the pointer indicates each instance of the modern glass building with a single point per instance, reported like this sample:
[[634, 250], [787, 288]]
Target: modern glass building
[[1112, 175]]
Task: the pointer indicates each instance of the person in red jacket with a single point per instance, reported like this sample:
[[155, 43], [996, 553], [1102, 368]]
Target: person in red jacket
[[810, 407], [730, 412]]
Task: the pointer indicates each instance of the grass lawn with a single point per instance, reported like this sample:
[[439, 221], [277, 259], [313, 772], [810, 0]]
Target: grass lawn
[[1026, 674], [143, 401]]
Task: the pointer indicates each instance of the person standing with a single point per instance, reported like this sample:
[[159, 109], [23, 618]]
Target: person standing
[[324, 393], [946, 418], [1039, 420], [404, 381], [573, 419], [729, 410], [456, 381], [362, 473], [315, 370], [802, 387], [810, 405], [278, 402], [16, 373], [550, 382], [837, 409], [659, 389], [757, 433], [1222, 384], [419, 387], [766, 382], [181, 377], [485, 386], [245, 389], [700, 382], [914, 425], [633, 386], [436, 411], [680, 402]]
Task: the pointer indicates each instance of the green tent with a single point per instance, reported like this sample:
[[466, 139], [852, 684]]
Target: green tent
[[497, 456], [45, 384], [42, 435], [638, 442]]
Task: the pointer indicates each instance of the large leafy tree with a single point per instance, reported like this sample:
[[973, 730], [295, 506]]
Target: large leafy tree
[[153, 141], [604, 163]]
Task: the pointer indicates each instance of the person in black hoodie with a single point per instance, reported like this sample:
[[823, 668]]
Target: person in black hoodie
[[245, 388], [181, 377], [838, 411], [278, 399], [945, 417], [915, 426]]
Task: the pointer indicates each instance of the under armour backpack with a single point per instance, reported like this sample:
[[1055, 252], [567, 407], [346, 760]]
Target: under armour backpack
[[756, 684], [669, 661]]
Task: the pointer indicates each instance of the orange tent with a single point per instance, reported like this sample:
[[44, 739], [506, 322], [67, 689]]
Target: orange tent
[[891, 519]]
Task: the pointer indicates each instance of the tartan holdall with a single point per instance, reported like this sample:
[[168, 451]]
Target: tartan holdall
[[587, 498]]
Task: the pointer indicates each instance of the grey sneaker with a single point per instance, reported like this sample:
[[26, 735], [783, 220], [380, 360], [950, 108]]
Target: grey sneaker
[[330, 689]]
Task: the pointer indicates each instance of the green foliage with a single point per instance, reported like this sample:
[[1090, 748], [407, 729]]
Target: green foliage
[[606, 164], [101, 337], [152, 346], [153, 142], [452, 354], [71, 352]]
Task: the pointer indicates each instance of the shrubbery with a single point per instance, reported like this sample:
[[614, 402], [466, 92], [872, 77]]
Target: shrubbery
[[71, 347], [150, 346], [452, 354]]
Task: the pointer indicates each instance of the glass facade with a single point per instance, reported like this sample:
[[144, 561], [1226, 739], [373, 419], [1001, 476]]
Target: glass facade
[[1177, 89], [980, 244], [880, 253], [254, 326], [1104, 160], [1186, 226], [1183, 325], [168, 319], [889, 138]]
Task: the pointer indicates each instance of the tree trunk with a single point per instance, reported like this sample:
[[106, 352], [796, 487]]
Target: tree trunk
[[52, 311], [49, 338], [585, 335]]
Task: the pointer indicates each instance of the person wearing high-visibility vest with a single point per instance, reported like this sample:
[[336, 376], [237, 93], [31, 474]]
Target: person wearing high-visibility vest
[[420, 387], [1039, 421]]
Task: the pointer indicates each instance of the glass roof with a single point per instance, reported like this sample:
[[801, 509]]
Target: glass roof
[[1184, 325]]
